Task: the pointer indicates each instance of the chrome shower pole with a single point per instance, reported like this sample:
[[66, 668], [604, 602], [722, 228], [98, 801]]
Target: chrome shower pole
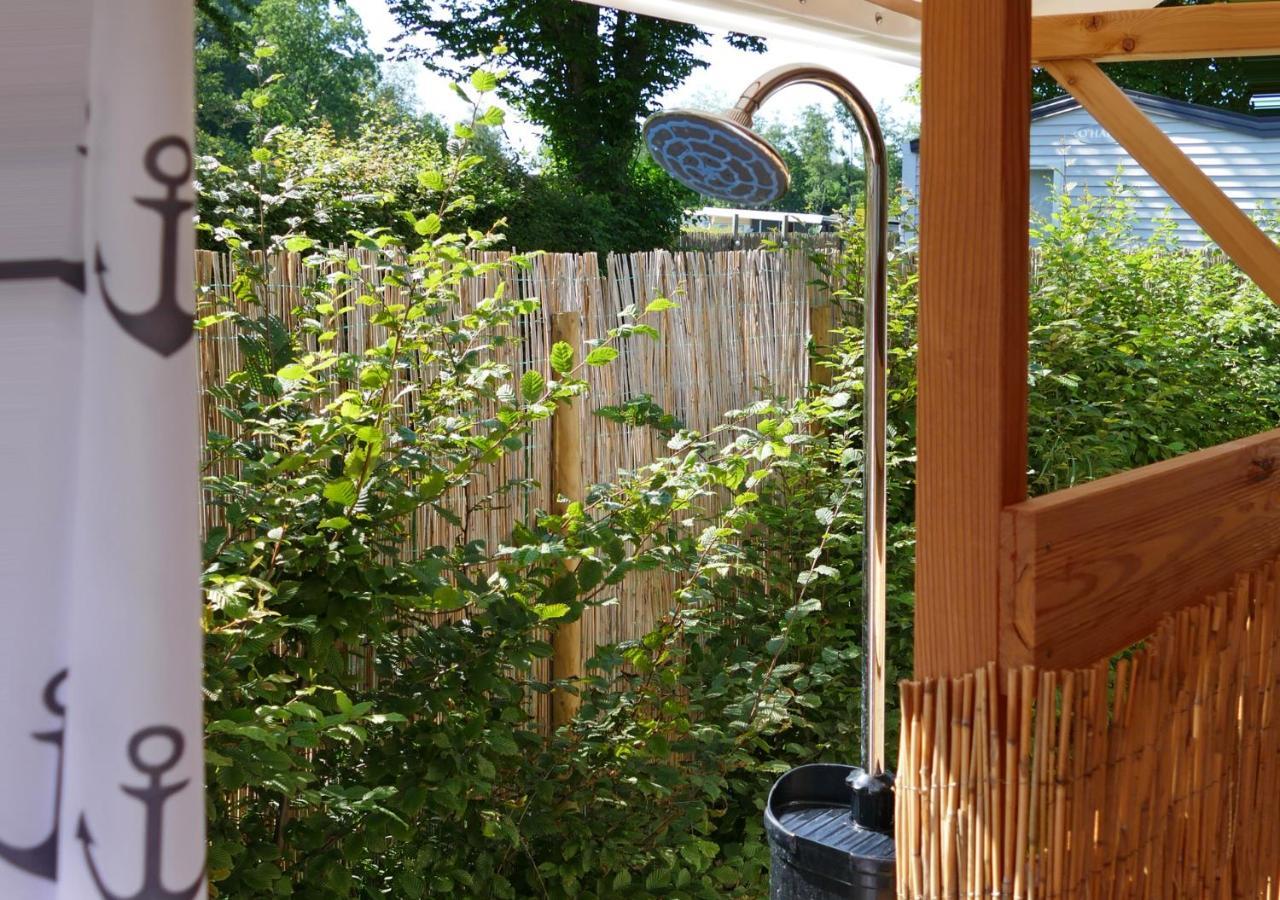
[[875, 330]]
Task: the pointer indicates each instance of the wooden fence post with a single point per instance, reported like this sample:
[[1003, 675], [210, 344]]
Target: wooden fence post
[[566, 481], [820, 330]]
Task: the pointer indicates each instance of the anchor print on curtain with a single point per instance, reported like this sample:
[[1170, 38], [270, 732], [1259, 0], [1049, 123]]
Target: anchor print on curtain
[[101, 772]]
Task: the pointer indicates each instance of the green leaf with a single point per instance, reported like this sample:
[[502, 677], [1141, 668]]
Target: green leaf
[[373, 377], [660, 304], [433, 485], [561, 357], [337, 523], [532, 384], [601, 356], [293, 372], [265, 51], [590, 573], [260, 99], [552, 611], [369, 434], [428, 225], [298, 243], [431, 180], [446, 597], [342, 491], [483, 80]]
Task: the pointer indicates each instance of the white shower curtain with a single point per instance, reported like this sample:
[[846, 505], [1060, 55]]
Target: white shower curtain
[[101, 774]]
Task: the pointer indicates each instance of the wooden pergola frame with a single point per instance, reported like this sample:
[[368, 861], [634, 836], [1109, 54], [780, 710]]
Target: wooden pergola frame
[[1069, 578]]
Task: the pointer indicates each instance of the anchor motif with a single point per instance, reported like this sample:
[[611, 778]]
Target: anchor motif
[[42, 859], [165, 328], [154, 796]]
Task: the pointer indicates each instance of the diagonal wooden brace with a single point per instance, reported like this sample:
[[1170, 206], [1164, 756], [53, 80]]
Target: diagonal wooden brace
[[1225, 223]]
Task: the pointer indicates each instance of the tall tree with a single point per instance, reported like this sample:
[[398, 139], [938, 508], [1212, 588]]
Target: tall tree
[[587, 74], [332, 74], [824, 175]]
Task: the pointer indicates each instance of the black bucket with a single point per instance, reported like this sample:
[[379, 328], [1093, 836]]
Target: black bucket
[[817, 851]]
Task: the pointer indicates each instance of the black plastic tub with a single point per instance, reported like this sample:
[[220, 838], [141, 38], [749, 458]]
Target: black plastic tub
[[816, 850]]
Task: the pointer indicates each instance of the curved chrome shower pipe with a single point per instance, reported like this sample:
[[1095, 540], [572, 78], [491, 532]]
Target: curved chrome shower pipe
[[875, 330]]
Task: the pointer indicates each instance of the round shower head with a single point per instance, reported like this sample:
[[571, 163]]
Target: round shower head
[[716, 156]]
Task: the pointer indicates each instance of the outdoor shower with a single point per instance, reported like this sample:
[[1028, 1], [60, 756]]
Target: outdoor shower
[[720, 156]]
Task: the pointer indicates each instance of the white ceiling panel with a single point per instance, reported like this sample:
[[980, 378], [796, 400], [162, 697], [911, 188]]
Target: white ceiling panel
[[831, 24]]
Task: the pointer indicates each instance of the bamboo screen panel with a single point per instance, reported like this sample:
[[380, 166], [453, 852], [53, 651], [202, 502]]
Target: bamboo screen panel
[[1157, 775], [741, 331]]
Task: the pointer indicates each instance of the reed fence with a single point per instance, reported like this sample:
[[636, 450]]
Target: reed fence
[[1152, 776], [742, 329]]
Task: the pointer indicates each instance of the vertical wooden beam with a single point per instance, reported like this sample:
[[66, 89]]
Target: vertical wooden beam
[[975, 158], [566, 481], [820, 331]]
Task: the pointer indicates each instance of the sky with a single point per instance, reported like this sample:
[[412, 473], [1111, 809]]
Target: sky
[[730, 70]]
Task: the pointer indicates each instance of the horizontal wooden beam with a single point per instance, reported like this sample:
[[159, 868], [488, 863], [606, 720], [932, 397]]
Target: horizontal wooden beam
[[1178, 32], [1225, 223], [1090, 570]]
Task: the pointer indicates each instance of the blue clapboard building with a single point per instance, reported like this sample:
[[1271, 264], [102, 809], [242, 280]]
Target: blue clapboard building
[[1070, 151]]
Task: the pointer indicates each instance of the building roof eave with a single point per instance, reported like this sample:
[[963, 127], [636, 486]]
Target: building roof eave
[[1244, 123]]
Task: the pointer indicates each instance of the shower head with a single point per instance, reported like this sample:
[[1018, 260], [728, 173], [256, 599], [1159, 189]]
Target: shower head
[[716, 155]]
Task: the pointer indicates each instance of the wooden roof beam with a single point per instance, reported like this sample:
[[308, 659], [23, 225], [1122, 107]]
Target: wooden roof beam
[[1177, 32], [1180, 32]]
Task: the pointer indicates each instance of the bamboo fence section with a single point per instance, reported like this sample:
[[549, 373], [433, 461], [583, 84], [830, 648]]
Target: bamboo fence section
[[741, 330], [1156, 775]]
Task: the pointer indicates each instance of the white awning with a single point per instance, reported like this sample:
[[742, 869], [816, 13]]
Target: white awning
[[831, 24]]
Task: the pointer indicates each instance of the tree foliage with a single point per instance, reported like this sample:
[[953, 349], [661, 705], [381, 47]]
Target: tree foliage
[[333, 76], [824, 175], [587, 74], [296, 79]]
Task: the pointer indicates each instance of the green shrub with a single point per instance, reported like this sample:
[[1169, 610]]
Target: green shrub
[[1139, 350]]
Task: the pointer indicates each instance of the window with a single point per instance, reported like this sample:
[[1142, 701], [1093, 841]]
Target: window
[[1042, 191]]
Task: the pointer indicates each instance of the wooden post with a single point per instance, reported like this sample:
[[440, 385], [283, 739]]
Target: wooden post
[[975, 161], [566, 481], [820, 331]]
